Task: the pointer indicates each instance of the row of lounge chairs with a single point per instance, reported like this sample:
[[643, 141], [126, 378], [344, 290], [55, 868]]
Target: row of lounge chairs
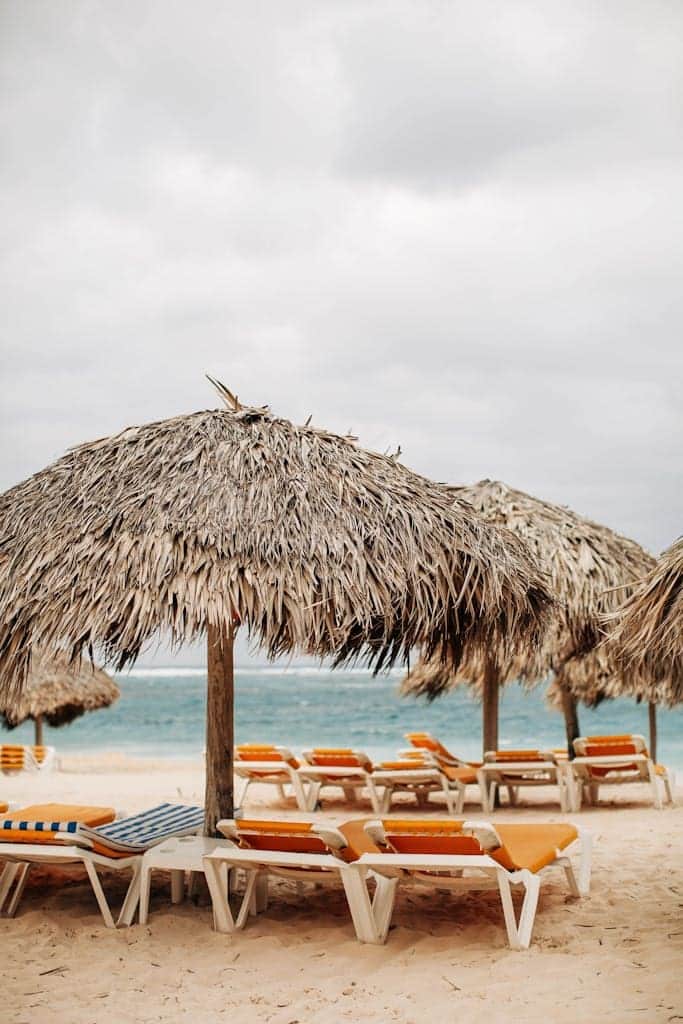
[[369, 858], [428, 768], [15, 757]]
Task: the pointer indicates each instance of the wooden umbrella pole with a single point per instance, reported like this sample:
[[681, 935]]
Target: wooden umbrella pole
[[218, 801], [571, 715], [490, 707], [652, 716], [38, 727]]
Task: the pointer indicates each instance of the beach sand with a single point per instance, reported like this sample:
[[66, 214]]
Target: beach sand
[[615, 957]]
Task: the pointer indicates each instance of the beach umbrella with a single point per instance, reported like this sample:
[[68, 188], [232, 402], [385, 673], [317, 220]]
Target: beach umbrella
[[58, 691], [233, 517], [585, 562], [646, 636]]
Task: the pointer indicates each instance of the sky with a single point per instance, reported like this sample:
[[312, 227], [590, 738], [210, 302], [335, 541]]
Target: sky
[[454, 227]]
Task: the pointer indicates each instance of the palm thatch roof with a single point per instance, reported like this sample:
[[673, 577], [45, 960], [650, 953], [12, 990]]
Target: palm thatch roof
[[647, 635], [586, 563], [308, 540], [59, 692]]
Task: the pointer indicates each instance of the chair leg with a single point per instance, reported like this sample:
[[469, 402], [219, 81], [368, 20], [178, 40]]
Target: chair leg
[[532, 888], [216, 874], [17, 873], [508, 908], [99, 894], [145, 878], [8, 875], [361, 907], [567, 867], [585, 862], [259, 898], [177, 886], [132, 899], [655, 787]]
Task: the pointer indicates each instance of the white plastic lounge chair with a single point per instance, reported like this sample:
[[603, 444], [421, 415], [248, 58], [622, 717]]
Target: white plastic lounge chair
[[515, 769], [342, 767], [475, 855], [267, 764], [302, 852], [59, 834], [615, 760], [422, 774], [15, 758]]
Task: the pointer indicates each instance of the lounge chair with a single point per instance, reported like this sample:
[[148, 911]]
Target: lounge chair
[[267, 764], [302, 852], [422, 774], [15, 757], [515, 769], [614, 760], [425, 741], [350, 770], [475, 855], [62, 834]]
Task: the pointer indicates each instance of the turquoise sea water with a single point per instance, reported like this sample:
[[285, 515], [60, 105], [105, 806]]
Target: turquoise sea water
[[161, 714]]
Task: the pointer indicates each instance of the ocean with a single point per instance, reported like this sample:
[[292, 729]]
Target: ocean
[[161, 715]]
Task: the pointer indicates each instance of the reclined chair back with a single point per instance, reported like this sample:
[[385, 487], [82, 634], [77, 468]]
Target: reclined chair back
[[265, 752], [338, 757], [510, 756], [434, 837], [284, 836], [601, 746], [425, 741]]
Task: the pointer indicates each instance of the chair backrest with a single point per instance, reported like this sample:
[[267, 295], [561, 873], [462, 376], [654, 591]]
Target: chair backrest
[[508, 756], [15, 757], [283, 836], [12, 757], [605, 746], [425, 741], [338, 757], [265, 752], [434, 837]]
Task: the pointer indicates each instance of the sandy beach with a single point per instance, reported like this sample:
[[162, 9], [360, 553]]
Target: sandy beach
[[614, 957]]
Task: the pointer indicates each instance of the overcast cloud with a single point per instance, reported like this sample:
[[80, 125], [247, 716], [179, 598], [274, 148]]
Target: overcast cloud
[[453, 226]]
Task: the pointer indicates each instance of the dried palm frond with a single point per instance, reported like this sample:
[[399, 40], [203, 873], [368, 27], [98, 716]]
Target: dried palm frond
[[591, 569], [646, 639], [235, 515]]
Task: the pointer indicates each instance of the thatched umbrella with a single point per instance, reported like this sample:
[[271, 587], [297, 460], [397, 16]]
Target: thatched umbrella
[[646, 635], [202, 522], [58, 691], [585, 561]]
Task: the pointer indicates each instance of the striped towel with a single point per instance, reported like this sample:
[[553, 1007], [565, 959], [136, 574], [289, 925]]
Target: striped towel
[[128, 835]]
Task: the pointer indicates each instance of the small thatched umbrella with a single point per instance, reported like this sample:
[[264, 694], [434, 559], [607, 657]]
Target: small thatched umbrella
[[585, 561], [58, 691], [195, 524], [646, 638]]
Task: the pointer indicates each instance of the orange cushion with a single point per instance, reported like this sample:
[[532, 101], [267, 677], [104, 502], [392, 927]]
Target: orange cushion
[[91, 816], [607, 749], [532, 846], [519, 755], [438, 836], [3, 807]]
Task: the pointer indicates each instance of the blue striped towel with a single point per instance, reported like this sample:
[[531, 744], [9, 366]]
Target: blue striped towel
[[127, 835]]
